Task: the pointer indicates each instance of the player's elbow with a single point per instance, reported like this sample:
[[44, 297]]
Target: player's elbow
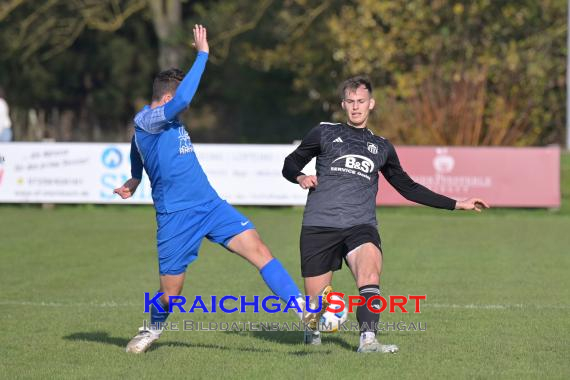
[[289, 170], [285, 173]]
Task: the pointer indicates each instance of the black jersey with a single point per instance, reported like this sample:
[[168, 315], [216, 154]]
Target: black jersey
[[348, 164]]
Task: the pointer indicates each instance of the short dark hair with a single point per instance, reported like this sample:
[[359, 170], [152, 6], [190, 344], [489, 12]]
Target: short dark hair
[[353, 84], [166, 81]]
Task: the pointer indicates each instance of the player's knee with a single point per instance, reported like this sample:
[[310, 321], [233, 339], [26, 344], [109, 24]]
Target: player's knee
[[170, 292]]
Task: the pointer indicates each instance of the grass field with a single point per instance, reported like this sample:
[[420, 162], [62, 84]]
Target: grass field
[[72, 281]]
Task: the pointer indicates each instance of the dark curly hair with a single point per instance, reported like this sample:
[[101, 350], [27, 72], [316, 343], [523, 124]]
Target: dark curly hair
[[165, 82]]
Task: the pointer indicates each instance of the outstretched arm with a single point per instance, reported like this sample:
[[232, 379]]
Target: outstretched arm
[[415, 192], [187, 88]]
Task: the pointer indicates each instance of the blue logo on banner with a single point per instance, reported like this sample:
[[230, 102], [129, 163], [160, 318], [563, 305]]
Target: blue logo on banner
[[112, 157]]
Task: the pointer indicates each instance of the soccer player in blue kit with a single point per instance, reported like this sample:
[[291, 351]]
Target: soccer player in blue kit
[[187, 207]]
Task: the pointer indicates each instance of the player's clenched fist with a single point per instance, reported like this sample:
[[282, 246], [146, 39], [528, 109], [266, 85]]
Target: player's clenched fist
[[128, 188], [307, 181]]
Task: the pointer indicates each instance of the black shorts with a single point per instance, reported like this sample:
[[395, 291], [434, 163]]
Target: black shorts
[[324, 248]]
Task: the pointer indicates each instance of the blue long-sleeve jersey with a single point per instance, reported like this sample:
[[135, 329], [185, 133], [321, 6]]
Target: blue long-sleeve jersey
[[162, 145]]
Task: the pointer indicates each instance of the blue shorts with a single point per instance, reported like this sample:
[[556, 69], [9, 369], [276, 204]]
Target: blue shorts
[[180, 233]]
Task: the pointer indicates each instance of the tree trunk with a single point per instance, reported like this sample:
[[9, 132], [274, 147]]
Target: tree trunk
[[167, 21]]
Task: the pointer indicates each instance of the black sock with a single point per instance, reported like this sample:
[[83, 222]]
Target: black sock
[[367, 320]]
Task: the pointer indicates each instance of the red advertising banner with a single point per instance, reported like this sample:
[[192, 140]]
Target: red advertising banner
[[507, 177]]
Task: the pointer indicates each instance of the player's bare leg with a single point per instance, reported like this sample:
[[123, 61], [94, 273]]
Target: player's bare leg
[[249, 245], [365, 262], [170, 285], [314, 287]]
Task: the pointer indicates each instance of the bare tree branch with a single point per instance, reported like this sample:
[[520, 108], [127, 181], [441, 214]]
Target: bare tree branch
[[8, 7], [224, 39], [71, 32], [54, 25], [109, 16], [308, 18]]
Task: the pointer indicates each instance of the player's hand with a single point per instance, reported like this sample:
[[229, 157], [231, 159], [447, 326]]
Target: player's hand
[[128, 188], [307, 181], [471, 204], [201, 39]]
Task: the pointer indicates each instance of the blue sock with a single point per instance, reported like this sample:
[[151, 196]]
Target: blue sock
[[279, 281], [156, 317]]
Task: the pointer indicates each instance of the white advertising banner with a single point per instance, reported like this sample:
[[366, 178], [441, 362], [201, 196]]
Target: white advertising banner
[[251, 174], [88, 173]]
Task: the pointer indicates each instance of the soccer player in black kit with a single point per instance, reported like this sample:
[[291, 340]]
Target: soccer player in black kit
[[339, 221]]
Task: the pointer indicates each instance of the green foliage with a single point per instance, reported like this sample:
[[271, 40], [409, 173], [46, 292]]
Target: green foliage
[[453, 72], [468, 73], [446, 72], [101, 78]]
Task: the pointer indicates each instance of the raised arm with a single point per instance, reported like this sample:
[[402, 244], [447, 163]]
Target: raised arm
[[187, 88], [156, 118], [296, 161]]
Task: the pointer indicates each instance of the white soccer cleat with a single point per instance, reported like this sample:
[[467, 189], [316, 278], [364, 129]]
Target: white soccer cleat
[[369, 343], [312, 319], [143, 340]]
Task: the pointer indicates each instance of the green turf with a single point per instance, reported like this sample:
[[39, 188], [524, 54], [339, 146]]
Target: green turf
[[497, 284]]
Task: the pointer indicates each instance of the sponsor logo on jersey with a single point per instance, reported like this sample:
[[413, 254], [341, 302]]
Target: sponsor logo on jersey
[[185, 145], [354, 161], [373, 148], [337, 140]]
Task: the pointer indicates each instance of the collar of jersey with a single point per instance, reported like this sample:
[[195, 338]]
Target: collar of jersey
[[355, 128]]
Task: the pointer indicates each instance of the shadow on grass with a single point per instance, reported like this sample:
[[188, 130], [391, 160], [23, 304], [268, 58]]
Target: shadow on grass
[[99, 337], [294, 338], [105, 338]]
